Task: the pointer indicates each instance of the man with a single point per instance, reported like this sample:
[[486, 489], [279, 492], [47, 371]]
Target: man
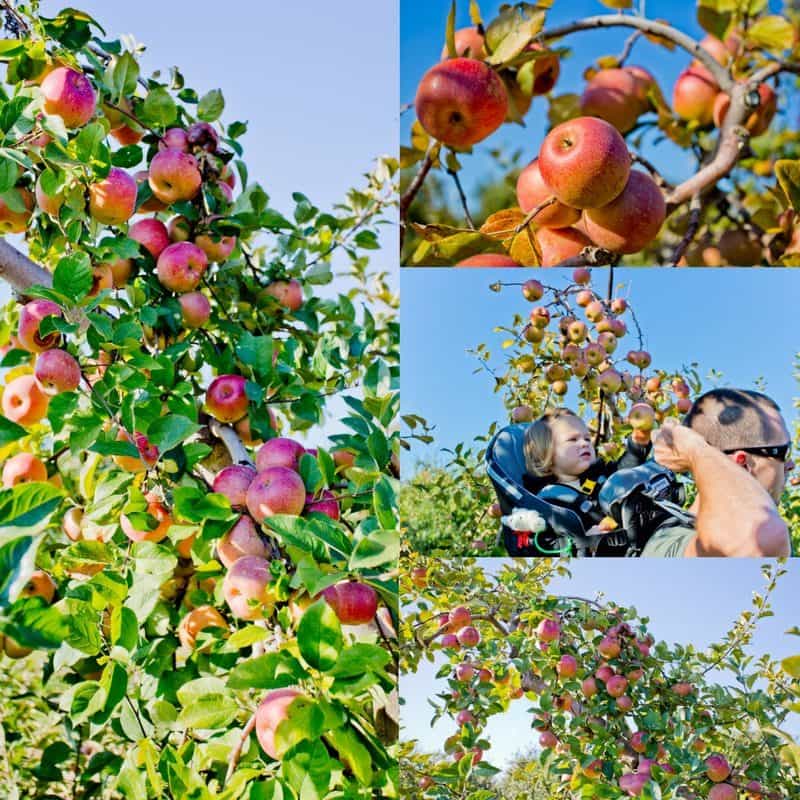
[[736, 446]]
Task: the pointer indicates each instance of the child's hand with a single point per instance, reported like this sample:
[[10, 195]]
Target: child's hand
[[640, 437]]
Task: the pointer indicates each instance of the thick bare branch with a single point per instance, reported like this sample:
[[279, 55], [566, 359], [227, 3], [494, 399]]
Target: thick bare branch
[[232, 442], [19, 271], [721, 75]]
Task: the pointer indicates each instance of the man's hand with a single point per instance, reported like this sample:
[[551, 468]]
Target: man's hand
[[676, 447]]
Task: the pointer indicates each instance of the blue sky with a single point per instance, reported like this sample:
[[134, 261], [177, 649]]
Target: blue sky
[[688, 601], [737, 321], [422, 31]]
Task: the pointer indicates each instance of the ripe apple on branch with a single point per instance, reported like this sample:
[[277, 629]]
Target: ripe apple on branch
[[588, 196]]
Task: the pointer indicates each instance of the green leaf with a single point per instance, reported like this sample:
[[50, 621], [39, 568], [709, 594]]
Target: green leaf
[[17, 563], [450, 32], [308, 770], [211, 106], [122, 73], [380, 547], [209, 713], [73, 276], [271, 671], [192, 505], [10, 431], [788, 174], [27, 506], [167, 432], [791, 666], [384, 503], [360, 658], [89, 143], [352, 753], [9, 170], [773, 33], [304, 720], [319, 636], [158, 108]]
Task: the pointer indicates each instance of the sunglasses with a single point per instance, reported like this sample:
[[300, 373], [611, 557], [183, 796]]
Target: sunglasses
[[778, 451]]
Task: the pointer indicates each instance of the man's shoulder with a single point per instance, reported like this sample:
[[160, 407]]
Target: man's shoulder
[[669, 540]]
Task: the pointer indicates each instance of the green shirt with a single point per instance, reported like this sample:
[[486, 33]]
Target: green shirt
[[669, 542]]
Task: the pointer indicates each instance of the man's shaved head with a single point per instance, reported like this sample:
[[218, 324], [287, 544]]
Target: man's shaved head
[[732, 418]]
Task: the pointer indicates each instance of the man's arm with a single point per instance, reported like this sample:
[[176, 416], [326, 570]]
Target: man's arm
[[735, 515]]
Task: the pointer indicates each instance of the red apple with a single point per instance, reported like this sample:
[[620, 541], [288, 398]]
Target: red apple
[[233, 482], [326, 504], [241, 540], [717, 768], [276, 490], [247, 587], [289, 294], [461, 101], [24, 402], [174, 176], [488, 260], [174, 139], [694, 94], [181, 267], [150, 233], [57, 371], [532, 191], [23, 468], [69, 94], [202, 136], [273, 710], [353, 603], [112, 200], [155, 509], [30, 317], [226, 398], [279, 452], [195, 309], [198, 620]]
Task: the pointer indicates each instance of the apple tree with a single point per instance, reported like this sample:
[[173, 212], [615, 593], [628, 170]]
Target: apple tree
[[615, 712], [589, 193], [193, 603]]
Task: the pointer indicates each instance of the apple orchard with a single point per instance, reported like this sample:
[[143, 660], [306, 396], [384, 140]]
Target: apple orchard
[[192, 602], [587, 194], [615, 712], [576, 341]]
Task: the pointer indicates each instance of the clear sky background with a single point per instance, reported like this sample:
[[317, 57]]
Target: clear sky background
[[316, 82], [740, 322], [422, 36], [688, 601]]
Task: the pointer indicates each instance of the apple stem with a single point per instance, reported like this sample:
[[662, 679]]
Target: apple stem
[[454, 175]]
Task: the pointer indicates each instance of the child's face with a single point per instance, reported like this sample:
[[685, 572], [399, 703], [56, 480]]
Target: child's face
[[573, 451]]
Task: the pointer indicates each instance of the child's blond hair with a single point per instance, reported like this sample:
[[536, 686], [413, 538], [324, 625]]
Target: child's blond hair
[[538, 445]]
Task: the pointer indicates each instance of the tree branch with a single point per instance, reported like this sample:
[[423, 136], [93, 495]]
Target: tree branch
[[19, 271], [660, 29], [237, 750], [232, 442], [695, 207], [408, 196], [590, 257]]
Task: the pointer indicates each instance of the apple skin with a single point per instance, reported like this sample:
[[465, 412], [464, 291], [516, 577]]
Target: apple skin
[[179, 229], [642, 417], [694, 94], [739, 249], [276, 490], [102, 278], [16, 221], [127, 134], [195, 309], [548, 630], [289, 294], [72, 523], [532, 191], [148, 453], [717, 768], [30, 317], [353, 603], [174, 176], [121, 270], [567, 666], [723, 791], [560, 244], [112, 200], [23, 468], [226, 398], [630, 221], [150, 233], [585, 162], [609, 647], [469, 44], [271, 712], [279, 452], [241, 540], [644, 83], [70, 95], [181, 267], [547, 740], [198, 620], [469, 636], [217, 248], [488, 260], [246, 587], [158, 534], [40, 584], [24, 402], [49, 204], [545, 71], [461, 101], [233, 482], [612, 95], [326, 504], [616, 685], [174, 139], [57, 371], [633, 783]]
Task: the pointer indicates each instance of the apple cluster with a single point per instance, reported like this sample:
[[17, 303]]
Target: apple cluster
[[585, 349]]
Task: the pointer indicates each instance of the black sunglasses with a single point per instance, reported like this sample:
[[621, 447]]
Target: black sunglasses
[[779, 451]]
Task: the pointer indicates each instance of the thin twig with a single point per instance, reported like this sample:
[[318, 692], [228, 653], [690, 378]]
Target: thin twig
[[454, 175], [695, 208], [626, 50], [408, 196], [237, 750]]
